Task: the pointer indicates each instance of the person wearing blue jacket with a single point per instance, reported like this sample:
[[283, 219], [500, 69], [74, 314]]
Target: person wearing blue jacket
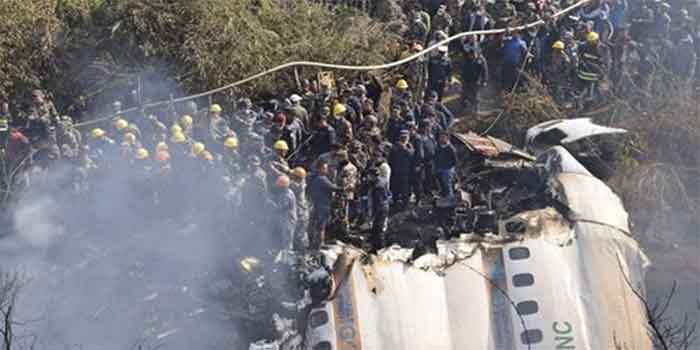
[[514, 52]]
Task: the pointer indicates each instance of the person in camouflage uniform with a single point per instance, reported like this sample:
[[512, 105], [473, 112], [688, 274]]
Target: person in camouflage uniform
[[442, 20], [418, 29]]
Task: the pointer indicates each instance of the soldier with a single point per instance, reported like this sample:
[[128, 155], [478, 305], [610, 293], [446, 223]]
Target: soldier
[[503, 12], [416, 72], [244, 118], [369, 132], [42, 117], [298, 112], [442, 20], [419, 28]]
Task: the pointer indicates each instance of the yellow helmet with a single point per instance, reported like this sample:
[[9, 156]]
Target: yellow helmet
[[215, 108], [178, 138], [121, 124], [175, 129], [402, 84], [198, 148], [299, 172], [339, 109], [162, 146], [592, 36], [282, 181], [558, 45], [186, 121], [97, 133], [231, 143], [141, 153], [130, 138], [281, 145]]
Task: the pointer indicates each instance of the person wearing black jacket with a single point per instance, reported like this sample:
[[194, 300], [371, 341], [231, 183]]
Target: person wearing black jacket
[[439, 72], [425, 145], [401, 163], [474, 76], [324, 137], [445, 162]]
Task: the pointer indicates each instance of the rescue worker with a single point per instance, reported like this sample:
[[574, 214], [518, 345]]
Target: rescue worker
[[285, 220], [218, 128], [402, 93], [445, 162], [298, 186], [592, 67], [277, 165], [102, 148], [474, 76], [321, 191], [231, 157], [342, 127], [440, 71], [558, 72], [186, 123]]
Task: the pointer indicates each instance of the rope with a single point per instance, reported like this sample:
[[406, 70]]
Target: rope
[[337, 66]]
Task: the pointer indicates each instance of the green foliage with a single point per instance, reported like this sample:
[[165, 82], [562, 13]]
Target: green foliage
[[28, 28], [95, 47]]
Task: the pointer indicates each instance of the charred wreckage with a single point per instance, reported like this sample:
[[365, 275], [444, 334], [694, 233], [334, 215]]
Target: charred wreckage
[[498, 266]]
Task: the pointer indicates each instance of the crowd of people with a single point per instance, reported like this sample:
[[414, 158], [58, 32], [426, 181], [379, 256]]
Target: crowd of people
[[326, 160]]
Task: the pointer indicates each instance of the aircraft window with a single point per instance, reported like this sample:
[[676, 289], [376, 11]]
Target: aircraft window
[[523, 280], [318, 319], [527, 307], [324, 345], [516, 227], [519, 253], [531, 336]]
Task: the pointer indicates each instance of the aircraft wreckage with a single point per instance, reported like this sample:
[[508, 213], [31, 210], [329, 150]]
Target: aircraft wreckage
[[536, 253]]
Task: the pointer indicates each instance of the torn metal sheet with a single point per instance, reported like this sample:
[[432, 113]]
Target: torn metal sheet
[[563, 131], [490, 147]]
